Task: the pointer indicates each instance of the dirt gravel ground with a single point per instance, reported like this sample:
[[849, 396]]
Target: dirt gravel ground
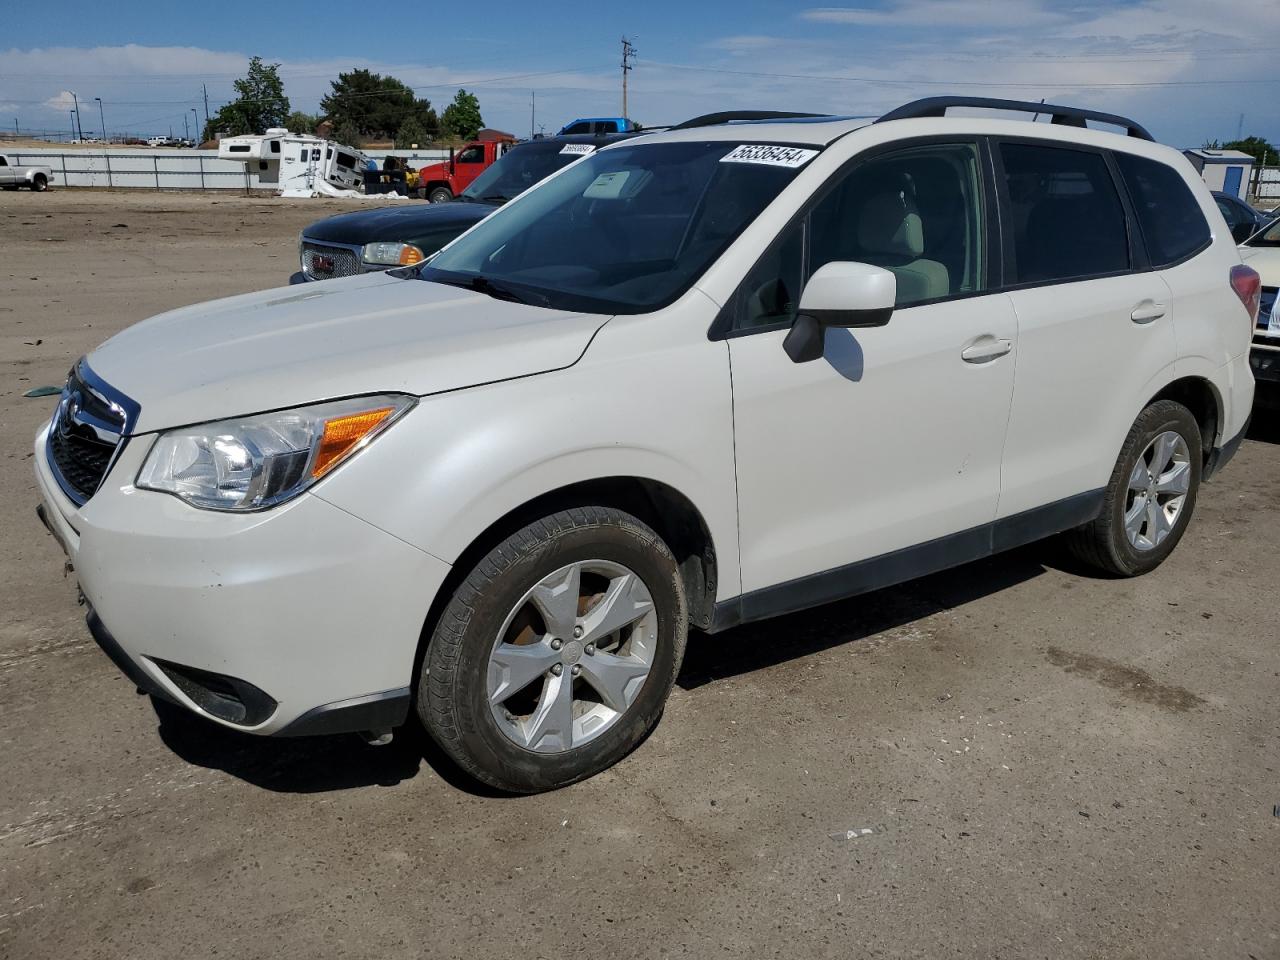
[[1052, 765]]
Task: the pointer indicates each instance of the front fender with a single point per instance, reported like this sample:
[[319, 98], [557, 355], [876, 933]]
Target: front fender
[[460, 461]]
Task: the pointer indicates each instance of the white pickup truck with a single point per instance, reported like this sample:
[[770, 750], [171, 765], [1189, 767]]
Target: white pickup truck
[[12, 176]]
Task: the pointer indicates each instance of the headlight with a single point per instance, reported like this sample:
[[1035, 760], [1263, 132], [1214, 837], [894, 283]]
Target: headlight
[[391, 254], [251, 463]]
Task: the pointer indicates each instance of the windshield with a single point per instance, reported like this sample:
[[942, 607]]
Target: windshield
[[520, 168], [1269, 237], [627, 230]]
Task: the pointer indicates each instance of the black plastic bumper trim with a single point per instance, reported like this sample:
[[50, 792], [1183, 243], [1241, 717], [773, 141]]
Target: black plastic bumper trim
[[103, 638], [375, 711], [1222, 455]]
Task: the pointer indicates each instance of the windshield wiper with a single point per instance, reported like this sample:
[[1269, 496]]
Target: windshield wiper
[[495, 198], [499, 291]]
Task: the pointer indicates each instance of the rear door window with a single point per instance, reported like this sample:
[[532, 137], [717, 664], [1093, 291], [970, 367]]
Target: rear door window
[[1172, 224], [1066, 218]]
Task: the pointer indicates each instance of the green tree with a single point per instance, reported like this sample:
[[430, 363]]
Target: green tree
[[299, 122], [259, 105], [1256, 147], [375, 105], [461, 119], [411, 134], [347, 133]]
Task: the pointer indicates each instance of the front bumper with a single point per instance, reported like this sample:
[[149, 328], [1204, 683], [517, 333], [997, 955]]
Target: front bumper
[[316, 610]]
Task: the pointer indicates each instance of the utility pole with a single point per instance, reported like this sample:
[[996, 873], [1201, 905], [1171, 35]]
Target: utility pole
[[628, 54], [195, 120], [76, 101], [186, 132], [205, 90]]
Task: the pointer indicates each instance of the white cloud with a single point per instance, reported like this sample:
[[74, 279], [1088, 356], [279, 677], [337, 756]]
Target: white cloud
[[62, 102], [941, 13]]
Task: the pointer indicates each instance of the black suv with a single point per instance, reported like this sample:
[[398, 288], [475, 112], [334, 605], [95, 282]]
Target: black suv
[[371, 240]]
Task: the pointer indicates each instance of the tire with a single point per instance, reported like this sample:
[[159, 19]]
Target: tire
[[39, 183], [440, 195], [1107, 543], [500, 727]]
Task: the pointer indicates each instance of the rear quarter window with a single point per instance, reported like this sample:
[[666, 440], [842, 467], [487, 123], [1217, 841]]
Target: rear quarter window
[[1169, 216]]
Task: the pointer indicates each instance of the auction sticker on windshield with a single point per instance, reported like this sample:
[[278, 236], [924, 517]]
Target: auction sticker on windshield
[[769, 154], [578, 149]]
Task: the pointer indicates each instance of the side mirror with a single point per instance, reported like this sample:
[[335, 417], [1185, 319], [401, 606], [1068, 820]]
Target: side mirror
[[839, 294]]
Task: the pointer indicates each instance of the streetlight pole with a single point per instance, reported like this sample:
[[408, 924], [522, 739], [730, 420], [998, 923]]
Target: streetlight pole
[[195, 122], [105, 143]]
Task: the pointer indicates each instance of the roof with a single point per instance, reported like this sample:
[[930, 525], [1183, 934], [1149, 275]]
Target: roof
[[1221, 156]]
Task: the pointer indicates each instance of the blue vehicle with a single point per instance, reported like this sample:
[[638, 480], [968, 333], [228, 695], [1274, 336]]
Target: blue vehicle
[[598, 125]]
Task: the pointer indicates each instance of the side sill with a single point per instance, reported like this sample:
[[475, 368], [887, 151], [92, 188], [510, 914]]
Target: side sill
[[899, 566]]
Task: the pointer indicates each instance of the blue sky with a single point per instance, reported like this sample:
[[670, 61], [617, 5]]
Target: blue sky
[[1186, 68]]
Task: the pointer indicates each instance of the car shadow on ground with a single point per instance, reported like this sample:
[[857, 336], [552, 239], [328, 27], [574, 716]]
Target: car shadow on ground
[[769, 642], [308, 764], [321, 764], [1264, 425]]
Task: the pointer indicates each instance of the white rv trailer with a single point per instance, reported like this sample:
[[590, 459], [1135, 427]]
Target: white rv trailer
[[299, 165]]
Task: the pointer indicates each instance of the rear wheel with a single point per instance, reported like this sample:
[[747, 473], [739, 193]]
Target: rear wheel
[[39, 183], [555, 655], [440, 195], [1151, 495]]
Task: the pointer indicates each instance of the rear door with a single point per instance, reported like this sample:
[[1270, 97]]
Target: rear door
[[1095, 324]]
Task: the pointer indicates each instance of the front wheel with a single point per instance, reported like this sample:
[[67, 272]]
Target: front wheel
[[440, 195], [1151, 495], [554, 657]]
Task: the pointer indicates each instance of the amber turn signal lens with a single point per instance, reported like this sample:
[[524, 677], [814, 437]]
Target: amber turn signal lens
[[343, 434], [410, 255]]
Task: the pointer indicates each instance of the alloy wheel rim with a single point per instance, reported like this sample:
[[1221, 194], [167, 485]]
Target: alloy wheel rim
[[572, 656], [1158, 487]]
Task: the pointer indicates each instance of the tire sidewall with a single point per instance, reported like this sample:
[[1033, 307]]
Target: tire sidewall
[[39, 184], [1155, 420], [439, 195], [527, 770]]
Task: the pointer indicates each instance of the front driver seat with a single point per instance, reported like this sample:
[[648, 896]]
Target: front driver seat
[[891, 235]]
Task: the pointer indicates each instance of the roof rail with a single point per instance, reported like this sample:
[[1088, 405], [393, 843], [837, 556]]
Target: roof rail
[[712, 119], [1068, 116]]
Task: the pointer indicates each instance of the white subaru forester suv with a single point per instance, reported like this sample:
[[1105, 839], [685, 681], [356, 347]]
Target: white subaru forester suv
[[710, 375]]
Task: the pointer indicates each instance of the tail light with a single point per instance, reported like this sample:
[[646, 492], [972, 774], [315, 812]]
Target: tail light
[[1247, 284]]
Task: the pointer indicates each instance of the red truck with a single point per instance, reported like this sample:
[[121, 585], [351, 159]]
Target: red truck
[[441, 182]]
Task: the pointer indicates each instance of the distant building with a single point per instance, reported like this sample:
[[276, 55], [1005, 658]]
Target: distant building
[[1227, 170], [488, 133]]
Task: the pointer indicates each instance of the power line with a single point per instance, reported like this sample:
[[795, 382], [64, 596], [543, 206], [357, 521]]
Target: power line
[[883, 81]]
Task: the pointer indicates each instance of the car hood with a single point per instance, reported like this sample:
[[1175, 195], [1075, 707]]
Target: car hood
[[1266, 260], [403, 222], [377, 333]]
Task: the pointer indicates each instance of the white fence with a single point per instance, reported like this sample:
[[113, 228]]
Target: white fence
[[1267, 185], [170, 169]]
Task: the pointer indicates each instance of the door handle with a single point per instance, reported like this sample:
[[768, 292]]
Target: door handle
[[1146, 311], [985, 349]]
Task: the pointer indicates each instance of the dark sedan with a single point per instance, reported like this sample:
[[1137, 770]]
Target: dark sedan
[[407, 233]]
